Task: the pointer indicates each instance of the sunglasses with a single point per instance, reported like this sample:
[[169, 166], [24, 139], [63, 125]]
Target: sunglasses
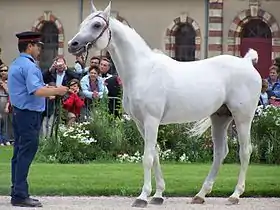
[[4, 70]]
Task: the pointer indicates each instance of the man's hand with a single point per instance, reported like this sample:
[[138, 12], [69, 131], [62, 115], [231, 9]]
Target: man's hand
[[62, 90], [53, 66]]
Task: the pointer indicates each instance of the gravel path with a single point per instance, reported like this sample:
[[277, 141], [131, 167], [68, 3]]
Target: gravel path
[[124, 203]]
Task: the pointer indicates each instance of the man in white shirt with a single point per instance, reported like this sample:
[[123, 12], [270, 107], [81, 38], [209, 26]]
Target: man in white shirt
[[104, 68]]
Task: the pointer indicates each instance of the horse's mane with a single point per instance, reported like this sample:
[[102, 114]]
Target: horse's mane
[[130, 33]]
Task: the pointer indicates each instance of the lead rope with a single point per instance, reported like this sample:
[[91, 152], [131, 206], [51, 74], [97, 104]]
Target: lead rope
[[87, 49], [58, 105]]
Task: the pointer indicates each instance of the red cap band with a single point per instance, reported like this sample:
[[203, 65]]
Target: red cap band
[[30, 40]]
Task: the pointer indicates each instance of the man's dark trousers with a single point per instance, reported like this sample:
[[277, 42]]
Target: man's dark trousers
[[26, 127]]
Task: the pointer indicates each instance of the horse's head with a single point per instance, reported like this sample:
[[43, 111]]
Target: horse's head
[[94, 32]]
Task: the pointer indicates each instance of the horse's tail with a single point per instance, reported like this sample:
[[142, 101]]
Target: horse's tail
[[252, 55], [200, 127]]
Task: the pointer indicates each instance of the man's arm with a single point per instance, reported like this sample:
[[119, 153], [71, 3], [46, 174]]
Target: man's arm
[[46, 91], [35, 85]]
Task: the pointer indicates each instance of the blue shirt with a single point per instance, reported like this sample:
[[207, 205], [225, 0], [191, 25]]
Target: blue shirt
[[274, 89], [24, 78]]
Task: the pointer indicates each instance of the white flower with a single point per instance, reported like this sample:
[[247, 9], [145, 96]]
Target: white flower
[[183, 157], [126, 117]]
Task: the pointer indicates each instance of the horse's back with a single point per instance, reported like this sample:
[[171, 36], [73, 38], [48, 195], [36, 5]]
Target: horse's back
[[206, 84], [222, 67]]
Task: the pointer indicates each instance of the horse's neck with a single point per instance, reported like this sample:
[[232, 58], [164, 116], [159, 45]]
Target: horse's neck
[[127, 50]]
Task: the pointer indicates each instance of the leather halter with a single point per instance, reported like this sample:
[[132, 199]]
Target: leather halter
[[102, 32]]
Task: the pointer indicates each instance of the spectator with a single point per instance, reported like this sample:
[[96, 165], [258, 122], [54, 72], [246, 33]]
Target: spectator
[[93, 88], [273, 83], [114, 89], [113, 70], [59, 73], [104, 68], [94, 61], [8, 110], [3, 102], [264, 100], [79, 65], [73, 102], [48, 114]]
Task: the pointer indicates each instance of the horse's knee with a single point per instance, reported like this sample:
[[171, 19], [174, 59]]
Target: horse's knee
[[148, 159]]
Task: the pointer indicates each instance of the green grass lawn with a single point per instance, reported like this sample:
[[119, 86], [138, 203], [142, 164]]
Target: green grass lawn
[[126, 179]]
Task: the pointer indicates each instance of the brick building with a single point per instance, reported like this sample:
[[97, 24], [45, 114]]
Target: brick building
[[184, 29]]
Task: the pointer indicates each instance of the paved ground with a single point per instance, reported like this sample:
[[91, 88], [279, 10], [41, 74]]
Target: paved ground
[[124, 203]]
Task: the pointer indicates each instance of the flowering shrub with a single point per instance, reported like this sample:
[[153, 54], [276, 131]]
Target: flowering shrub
[[167, 155], [105, 137], [266, 133], [79, 132], [74, 144]]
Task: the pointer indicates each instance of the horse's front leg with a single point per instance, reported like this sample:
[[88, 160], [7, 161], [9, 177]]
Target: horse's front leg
[[151, 129], [160, 184]]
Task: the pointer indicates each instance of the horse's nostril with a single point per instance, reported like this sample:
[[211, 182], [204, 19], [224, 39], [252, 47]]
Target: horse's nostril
[[74, 44]]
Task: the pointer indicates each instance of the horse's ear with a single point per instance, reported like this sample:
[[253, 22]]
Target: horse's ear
[[107, 11], [93, 8]]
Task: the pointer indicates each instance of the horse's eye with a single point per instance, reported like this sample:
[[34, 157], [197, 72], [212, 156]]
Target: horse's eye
[[97, 25]]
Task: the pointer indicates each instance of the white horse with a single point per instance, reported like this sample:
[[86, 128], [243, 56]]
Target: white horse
[[159, 90]]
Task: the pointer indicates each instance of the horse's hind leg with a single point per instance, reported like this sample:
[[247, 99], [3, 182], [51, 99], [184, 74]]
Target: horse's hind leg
[[245, 150], [220, 125]]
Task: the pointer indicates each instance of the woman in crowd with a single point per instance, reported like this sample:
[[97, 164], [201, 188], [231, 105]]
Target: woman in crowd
[[4, 136], [273, 83], [93, 87]]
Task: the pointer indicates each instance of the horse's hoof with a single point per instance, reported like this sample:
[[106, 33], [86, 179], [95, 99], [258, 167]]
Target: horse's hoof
[[156, 201], [197, 200], [233, 200], [140, 203]]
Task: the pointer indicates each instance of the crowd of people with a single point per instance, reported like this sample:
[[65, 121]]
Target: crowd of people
[[270, 93], [87, 84]]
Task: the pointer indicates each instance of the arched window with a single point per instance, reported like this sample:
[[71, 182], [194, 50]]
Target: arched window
[[50, 50], [185, 43], [256, 28]]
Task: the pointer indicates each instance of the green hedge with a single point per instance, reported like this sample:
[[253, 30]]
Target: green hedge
[[105, 138]]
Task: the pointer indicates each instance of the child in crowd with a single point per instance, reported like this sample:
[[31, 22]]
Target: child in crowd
[[264, 100], [73, 102]]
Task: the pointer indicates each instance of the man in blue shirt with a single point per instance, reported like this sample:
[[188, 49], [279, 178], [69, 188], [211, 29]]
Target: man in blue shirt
[[27, 93]]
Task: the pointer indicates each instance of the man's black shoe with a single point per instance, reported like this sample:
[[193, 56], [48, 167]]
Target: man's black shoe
[[28, 202]]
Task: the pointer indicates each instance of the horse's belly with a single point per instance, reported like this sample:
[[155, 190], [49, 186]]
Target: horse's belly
[[182, 116], [184, 110]]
